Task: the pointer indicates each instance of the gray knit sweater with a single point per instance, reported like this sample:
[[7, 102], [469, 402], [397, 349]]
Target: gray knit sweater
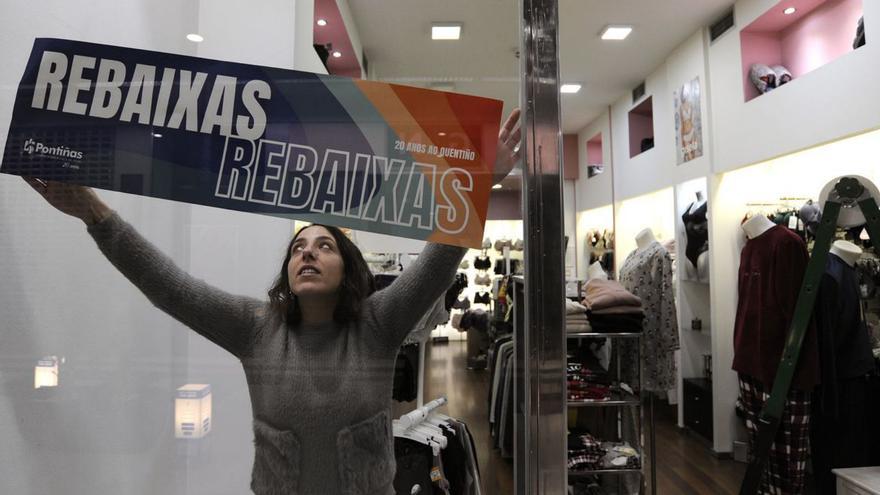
[[320, 395]]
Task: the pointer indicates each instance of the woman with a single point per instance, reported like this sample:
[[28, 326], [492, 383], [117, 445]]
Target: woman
[[318, 357]]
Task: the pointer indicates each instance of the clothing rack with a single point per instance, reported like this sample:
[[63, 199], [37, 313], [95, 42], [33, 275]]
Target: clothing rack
[[420, 413]]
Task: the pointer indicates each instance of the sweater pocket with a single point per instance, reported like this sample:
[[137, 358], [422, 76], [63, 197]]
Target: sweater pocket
[[276, 461], [366, 456]]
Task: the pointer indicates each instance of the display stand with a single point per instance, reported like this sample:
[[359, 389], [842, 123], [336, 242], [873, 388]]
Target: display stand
[[622, 399]]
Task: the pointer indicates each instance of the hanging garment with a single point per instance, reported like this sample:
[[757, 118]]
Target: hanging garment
[[461, 303], [696, 227], [771, 270], [482, 263], [482, 298], [458, 285], [785, 468], [406, 374], [647, 274], [483, 279], [841, 416]]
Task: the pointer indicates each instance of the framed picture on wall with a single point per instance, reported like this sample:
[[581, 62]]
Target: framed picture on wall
[[688, 122]]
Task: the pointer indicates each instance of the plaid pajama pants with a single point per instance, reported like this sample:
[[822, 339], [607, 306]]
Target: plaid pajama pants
[[784, 470]]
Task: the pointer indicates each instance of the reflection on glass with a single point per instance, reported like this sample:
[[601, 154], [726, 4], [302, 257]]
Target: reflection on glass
[[192, 411], [46, 372]]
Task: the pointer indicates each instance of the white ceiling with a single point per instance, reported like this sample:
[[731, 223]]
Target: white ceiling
[[395, 35]]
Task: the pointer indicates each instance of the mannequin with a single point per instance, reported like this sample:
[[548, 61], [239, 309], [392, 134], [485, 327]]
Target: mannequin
[[757, 225], [696, 227], [595, 272], [846, 251], [842, 419], [644, 239]]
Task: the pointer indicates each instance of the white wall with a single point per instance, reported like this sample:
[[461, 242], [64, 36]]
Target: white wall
[[829, 103], [596, 191], [657, 168], [108, 427]]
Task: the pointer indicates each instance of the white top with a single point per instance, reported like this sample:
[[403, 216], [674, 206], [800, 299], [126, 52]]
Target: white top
[[595, 271]]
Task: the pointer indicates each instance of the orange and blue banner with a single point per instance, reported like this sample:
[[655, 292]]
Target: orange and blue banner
[[365, 155]]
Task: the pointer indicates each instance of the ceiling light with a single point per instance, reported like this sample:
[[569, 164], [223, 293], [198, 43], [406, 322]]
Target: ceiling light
[[337, 54], [570, 88], [441, 134], [446, 31], [616, 33], [156, 135], [322, 22], [496, 186], [789, 11], [195, 38]]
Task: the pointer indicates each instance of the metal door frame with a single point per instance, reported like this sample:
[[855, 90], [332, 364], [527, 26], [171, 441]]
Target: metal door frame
[[539, 394]]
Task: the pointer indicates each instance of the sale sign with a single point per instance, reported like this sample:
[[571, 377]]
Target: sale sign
[[365, 155]]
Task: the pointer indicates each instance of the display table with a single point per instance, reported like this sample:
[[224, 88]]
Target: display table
[[858, 481]]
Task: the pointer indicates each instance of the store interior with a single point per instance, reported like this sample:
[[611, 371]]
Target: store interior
[[707, 115]]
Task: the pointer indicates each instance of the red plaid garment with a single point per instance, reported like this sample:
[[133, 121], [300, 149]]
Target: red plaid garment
[[584, 452], [784, 471]]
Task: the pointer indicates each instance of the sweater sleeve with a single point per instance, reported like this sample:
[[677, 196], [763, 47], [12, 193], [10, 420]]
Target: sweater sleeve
[[226, 320], [393, 311]]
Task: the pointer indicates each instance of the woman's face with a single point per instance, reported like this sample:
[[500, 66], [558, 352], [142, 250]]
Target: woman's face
[[316, 267]]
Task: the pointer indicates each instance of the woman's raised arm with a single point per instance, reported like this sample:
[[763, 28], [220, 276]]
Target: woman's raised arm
[[227, 320]]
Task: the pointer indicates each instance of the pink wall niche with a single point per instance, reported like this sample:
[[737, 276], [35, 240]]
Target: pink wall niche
[[505, 205], [816, 34], [641, 125], [570, 156], [821, 37], [594, 150]]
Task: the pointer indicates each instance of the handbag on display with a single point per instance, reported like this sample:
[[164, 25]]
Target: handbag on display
[[763, 77], [518, 245], [783, 75]]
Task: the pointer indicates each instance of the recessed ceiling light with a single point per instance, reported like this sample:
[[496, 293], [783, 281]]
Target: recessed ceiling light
[[337, 54], [616, 33], [195, 38], [570, 88], [446, 31], [322, 22], [441, 134], [156, 135], [789, 11], [496, 186]]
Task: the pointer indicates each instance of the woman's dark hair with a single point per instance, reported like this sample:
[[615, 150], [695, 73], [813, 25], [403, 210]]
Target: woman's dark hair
[[357, 282]]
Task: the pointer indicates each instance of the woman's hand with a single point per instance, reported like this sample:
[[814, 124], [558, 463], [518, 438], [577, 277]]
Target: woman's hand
[[508, 147], [77, 201]]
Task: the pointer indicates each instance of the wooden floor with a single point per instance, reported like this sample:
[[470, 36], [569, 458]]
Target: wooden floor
[[686, 466]]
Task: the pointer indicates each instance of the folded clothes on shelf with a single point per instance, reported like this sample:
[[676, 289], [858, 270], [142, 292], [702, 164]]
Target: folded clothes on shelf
[[617, 323], [573, 308], [603, 294], [586, 452]]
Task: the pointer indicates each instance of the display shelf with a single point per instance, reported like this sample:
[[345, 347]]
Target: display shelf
[[815, 34], [604, 335], [590, 472], [617, 399], [641, 127]]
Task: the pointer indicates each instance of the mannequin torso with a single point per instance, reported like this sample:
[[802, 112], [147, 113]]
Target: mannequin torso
[[846, 251], [757, 225], [644, 238]]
